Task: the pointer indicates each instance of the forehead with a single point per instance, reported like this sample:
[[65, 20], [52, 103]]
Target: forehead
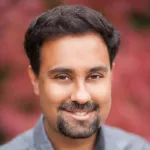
[[76, 52]]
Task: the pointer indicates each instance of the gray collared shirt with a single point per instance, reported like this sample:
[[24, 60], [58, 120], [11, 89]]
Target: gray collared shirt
[[108, 138]]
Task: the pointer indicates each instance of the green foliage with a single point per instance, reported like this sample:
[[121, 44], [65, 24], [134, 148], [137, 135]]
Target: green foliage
[[2, 136], [53, 3], [4, 73], [139, 20], [26, 106]]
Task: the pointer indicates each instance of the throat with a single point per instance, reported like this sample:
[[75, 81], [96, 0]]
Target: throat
[[71, 144]]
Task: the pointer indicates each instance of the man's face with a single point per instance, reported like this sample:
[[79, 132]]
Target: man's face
[[74, 84]]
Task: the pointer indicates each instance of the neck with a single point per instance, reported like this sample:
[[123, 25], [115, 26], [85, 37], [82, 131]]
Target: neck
[[61, 142]]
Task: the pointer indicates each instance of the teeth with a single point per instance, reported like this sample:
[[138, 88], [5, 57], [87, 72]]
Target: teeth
[[80, 113]]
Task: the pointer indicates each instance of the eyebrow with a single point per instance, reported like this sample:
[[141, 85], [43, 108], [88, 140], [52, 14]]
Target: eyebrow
[[68, 70], [99, 68], [60, 70]]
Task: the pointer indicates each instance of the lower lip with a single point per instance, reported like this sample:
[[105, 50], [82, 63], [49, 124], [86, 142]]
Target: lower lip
[[78, 117]]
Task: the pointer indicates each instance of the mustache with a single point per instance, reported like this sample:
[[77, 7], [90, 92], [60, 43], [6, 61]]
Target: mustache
[[76, 106]]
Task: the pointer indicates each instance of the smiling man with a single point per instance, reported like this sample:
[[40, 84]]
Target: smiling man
[[71, 51]]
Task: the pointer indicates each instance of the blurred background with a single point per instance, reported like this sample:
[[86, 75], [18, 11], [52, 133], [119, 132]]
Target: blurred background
[[19, 108]]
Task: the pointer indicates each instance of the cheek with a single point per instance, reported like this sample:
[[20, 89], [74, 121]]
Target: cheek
[[54, 93], [51, 96], [101, 94]]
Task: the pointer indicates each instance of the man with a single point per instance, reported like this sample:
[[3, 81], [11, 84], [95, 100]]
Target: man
[[71, 51]]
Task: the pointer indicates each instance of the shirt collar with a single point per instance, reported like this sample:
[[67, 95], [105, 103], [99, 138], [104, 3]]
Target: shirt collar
[[99, 144], [40, 137]]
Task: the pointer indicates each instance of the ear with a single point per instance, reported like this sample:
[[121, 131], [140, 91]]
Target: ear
[[113, 65], [113, 68], [34, 80]]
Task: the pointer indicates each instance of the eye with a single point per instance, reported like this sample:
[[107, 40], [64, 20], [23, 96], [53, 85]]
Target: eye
[[62, 77], [95, 76]]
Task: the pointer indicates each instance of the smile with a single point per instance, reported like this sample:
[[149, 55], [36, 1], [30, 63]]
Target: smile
[[79, 115]]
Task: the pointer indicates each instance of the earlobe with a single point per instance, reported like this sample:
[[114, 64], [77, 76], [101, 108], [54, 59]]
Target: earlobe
[[113, 65], [34, 80]]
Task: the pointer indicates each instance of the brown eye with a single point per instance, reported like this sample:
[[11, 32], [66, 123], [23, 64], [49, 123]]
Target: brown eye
[[95, 76], [62, 77]]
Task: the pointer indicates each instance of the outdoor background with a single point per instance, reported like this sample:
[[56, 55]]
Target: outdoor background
[[19, 108]]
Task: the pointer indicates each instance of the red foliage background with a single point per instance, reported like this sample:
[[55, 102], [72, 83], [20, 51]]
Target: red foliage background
[[19, 108]]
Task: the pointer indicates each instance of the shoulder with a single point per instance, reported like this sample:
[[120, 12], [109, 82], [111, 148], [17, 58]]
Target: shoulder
[[24, 141], [125, 140]]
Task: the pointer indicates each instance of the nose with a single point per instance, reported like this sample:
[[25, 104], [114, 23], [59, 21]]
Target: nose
[[80, 94]]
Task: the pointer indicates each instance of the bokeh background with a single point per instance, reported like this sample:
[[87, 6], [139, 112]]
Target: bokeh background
[[19, 108]]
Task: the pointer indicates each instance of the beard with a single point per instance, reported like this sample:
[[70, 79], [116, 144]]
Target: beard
[[81, 130], [77, 129]]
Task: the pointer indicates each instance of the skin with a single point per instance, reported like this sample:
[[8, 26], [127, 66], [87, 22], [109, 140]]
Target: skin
[[67, 75]]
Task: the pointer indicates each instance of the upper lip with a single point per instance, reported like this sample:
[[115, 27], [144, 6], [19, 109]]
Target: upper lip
[[78, 110]]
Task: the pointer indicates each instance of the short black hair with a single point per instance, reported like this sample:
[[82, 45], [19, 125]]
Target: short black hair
[[68, 20]]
